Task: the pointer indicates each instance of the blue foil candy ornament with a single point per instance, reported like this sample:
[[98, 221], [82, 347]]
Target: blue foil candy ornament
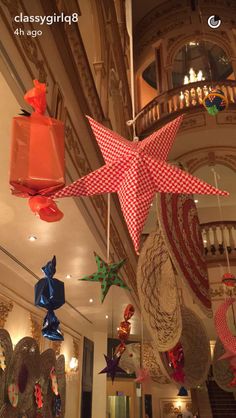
[[50, 328], [50, 294], [215, 102]]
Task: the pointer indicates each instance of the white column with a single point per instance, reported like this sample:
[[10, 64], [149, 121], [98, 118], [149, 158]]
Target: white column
[[99, 405]]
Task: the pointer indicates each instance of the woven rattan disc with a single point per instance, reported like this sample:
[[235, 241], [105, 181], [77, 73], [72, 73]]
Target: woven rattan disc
[[130, 362], [24, 367], [61, 379], [196, 347], [182, 234], [158, 293], [221, 371], [7, 411], [153, 363], [47, 362], [6, 354], [130, 359]]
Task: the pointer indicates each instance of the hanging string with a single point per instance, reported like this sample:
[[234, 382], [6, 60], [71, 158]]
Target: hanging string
[[132, 122], [108, 254], [141, 346], [108, 225]]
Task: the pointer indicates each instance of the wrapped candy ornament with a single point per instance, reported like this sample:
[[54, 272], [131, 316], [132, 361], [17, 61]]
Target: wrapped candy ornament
[[124, 329], [215, 102], [50, 294], [176, 362], [37, 165]]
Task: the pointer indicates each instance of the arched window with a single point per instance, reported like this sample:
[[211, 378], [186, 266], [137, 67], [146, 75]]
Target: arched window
[[201, 60]]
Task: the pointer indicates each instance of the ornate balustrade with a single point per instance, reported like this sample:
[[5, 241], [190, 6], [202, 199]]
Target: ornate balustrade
[[183, 99], [216, 236]]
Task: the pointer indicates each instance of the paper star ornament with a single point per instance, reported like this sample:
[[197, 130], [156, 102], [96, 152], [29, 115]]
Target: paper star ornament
[[112, 367], [136, 171], [107, 275]]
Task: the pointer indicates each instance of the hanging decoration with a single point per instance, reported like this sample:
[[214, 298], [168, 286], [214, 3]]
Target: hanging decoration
[[112, 367], [50, 294], [38, 395], [224, 367], [123, 335], [13, 394], [176, 362], [37, 156], [222, 329], [215, 102], [124, 329], [181, 232], [136, 171], [36, 398], [182, 392], [107, 275], [160, 306], [192, 357]]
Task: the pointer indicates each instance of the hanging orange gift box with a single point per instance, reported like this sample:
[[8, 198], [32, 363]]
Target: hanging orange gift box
[[37, 154]]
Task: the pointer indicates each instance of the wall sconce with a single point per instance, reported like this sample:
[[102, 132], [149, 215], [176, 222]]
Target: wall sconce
[[74, 363], [72, 369]]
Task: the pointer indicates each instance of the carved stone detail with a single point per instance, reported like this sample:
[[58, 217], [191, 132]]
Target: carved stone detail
[[206, 156], [36, 327], [29, 44], [5, 308]]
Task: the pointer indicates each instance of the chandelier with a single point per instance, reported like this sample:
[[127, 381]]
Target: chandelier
[[193, 76]]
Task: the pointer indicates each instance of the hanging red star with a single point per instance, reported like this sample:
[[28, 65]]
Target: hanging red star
[[136, 171]]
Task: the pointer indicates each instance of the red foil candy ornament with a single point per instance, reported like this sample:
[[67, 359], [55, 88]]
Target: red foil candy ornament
[[37, 152], [45, 208], [124, 330]]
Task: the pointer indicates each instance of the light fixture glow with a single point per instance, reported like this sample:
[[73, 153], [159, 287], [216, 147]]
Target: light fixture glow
[[196, 200], [107, 317], [68, 276], [32, 238], [74, 364], [205, 241], [90, 300]]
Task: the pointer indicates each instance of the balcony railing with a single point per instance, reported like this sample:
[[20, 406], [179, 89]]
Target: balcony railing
[[180, 100], [216, 236]]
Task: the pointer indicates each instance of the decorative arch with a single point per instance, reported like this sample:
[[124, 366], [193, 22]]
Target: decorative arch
[[209, 156], [181, 40]]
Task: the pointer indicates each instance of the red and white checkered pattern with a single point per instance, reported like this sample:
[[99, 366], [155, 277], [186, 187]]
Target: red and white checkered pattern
[[136, 171], [227, 338]]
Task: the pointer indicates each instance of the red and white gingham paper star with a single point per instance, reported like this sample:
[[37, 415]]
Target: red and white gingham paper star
[[136, 171]]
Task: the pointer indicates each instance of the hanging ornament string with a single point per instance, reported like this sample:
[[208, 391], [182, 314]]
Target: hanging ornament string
[[108, 226], [141, 346], [108, 251], [132, 122]]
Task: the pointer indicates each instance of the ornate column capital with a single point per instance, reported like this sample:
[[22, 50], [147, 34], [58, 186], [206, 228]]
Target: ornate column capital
[[5, 308]]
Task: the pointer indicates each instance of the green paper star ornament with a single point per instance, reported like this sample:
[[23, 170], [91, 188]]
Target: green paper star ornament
[[107, 275]]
